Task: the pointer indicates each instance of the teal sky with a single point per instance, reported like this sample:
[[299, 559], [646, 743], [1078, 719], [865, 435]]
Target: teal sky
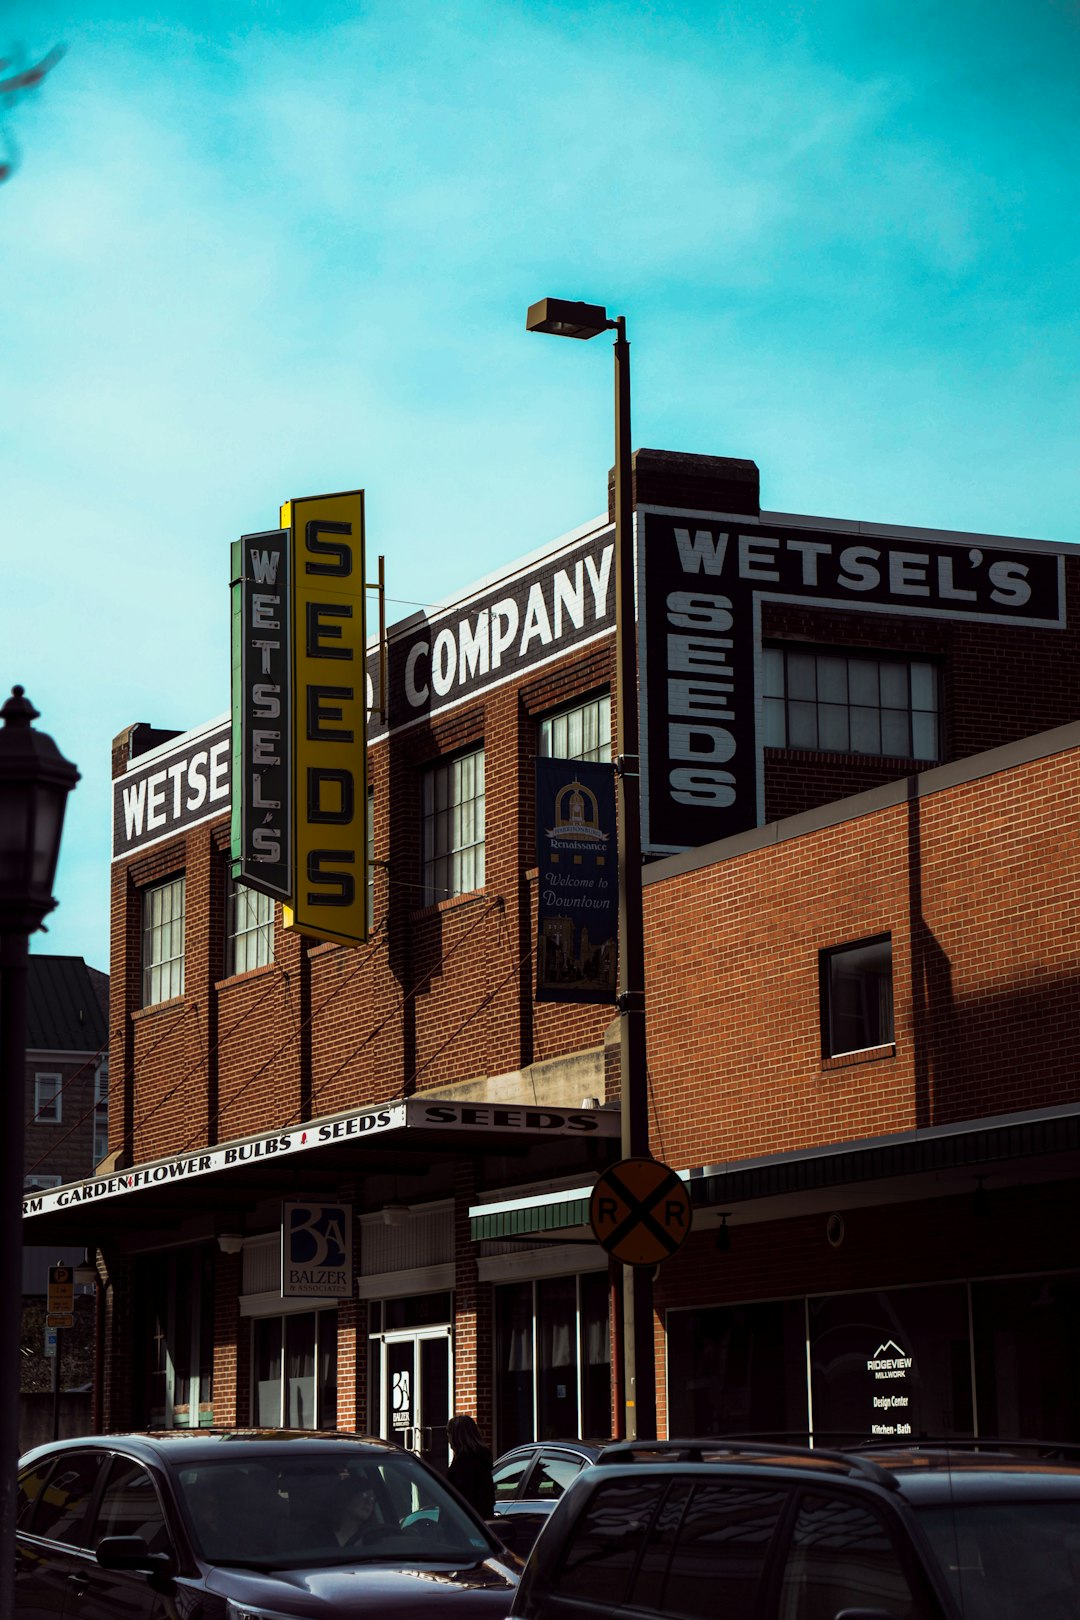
[[262, 250]]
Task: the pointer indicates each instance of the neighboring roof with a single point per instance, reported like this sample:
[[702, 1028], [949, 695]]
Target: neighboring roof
[[67, 1005]]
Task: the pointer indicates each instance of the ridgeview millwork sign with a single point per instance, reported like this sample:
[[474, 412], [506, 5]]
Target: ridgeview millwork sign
[[578, 881], [262, 722], [329, 899], [316, 1251], [414, 1114], [701, 581]]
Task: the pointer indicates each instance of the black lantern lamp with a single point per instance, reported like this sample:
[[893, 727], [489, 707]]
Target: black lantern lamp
[[35, 780]]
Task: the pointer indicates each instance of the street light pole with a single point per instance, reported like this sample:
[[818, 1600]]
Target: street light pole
[[35, 781], [567, 319]]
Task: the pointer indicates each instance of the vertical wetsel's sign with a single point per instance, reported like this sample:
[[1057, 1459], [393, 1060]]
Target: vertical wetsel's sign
[[578, 900], [329, 716], [261, 717], [316, 1251]]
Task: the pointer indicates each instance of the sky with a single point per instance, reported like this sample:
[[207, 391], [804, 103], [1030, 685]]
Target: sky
[[267, 249]]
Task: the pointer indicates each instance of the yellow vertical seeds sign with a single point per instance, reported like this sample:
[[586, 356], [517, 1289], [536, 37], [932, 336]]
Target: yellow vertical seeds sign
[[329, 716]]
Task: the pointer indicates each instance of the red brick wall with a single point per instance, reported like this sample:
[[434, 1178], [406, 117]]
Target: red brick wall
[[975, 885]]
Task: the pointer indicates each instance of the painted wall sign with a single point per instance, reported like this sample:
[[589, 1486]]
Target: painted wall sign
[[701, 582], [171, 789], [415, 1114], [578, 885], [316, 1251], [527, 617], [262, 713], [329, 717]]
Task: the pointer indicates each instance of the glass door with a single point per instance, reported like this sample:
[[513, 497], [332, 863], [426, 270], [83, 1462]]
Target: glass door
[[416, 1392]]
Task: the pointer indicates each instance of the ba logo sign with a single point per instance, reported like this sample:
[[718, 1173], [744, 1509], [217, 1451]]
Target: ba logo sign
[[316, 1251]]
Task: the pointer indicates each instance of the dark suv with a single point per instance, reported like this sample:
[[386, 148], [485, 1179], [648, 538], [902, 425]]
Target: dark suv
[[717, 1530]]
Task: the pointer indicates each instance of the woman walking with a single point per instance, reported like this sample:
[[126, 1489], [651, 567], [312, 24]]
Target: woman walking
[[470, 1471]]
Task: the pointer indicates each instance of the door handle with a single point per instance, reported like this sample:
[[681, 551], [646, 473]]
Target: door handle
[[79, 1581]]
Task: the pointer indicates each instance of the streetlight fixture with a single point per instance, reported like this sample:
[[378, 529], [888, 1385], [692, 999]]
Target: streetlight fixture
[[35, 780], [565, 318]]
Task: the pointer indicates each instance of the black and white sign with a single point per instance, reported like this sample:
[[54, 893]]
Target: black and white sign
[[316, 1251], [701, 582], [261, 705], [172, 788]]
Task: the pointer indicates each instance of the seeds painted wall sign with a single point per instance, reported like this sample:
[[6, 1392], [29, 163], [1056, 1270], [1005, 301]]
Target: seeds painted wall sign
[[262, 712]]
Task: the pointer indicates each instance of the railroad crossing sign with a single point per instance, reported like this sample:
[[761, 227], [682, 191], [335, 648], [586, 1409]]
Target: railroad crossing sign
[[60, 1305], [640, 1212]]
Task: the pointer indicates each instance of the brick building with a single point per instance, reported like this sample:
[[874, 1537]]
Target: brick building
[[859, 746]]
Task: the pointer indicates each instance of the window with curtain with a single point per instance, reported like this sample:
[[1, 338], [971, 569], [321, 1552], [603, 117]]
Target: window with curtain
[[163, 915], [581, 731], [857, 996], [249, 938], [453, 826]]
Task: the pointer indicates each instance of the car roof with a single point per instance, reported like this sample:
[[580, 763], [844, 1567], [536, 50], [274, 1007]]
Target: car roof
[[182, 1447]]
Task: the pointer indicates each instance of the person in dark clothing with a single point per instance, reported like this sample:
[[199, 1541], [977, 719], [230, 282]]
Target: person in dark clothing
[[470, 1471]]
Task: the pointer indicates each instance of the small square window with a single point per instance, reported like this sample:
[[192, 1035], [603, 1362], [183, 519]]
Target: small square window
[[857, 996]]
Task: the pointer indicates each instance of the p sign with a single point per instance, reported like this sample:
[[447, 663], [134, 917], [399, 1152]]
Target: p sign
[[316, 1251]]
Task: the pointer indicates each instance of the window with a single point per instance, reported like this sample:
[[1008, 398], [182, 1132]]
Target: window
[[163, 942], [249, 929], [857, 996], [842, 1559], [101, 1111], [130, 1507], [580, 732], [47, 1099], [847, 705], [454, 827], [552, 1358], [38, 1179], [62, 1505], [295, 1371]]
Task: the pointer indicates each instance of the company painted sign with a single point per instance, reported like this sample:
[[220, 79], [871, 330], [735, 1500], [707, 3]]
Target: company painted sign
[[262, 713], [316, 1251], [329, 717], [527, 618], [701, 583], [414, 1114]]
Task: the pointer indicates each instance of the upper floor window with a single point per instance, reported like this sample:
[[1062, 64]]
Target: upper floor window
[[857, 996], [582, 731], [101, 1110], [40, 1180], [850, 705], [453, 826], [249, 935], [47, 1100], [163, 941]]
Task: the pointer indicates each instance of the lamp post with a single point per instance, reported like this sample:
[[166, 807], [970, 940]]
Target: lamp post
[[565, 318], [35, 780]]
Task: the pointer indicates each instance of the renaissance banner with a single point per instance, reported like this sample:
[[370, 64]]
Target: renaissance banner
[[578, 899]]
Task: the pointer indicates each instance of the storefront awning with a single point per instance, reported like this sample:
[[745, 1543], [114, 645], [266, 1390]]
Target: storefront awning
[[530, 1217], [411, 1130]]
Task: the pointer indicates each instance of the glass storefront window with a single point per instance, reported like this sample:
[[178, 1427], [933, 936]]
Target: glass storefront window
[[175, 1327], [294, 1367], [267, 1347], [738, 1369], [553, 1359], [1026, 1332], [891, 1363]]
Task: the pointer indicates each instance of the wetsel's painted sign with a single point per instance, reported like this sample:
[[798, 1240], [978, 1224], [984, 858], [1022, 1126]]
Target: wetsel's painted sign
[[701, 583], [329, 742], [261, 713], [415, 1114], [530, 615], [316, 1251], [172, 788], [578, 883]]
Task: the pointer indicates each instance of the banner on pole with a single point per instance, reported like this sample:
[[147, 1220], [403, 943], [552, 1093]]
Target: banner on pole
[[578, 895]]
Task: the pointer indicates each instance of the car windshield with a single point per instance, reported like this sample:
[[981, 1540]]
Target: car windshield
[[1008, 1558], [293, 1510]]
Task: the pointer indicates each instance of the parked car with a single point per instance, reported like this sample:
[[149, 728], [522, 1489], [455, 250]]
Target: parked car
[[749, 1532], [246, 1525], [530, 1479]]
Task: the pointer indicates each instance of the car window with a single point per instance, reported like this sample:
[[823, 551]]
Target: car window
[[721, 1546], [130, 1506], [31, 1481], [62, 1505], [1009, 1558], [554, 1471], [599, 1559], [509, 1474], [841, 1557]]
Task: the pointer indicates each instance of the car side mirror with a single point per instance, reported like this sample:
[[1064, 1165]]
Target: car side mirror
[[131, 1552]]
